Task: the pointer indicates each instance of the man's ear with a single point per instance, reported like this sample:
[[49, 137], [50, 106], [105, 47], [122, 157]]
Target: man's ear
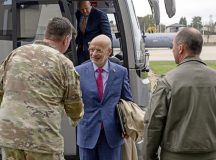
[[110, 51], [65, 40], [180, 48]]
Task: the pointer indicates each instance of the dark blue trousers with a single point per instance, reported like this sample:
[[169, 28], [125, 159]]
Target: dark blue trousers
[[102, 150]]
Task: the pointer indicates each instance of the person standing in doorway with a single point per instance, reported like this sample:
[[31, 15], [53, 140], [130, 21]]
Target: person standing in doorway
[[91, 22]]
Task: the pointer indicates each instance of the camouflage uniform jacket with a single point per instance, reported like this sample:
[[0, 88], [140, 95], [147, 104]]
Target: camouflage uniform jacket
[[37, 85]]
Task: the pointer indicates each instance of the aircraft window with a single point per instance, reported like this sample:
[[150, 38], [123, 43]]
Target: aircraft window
[[47, 12], [115, 37], [34, 28], [114, 30], [5, 21], [5, 28], [140, 53], [7, 2]]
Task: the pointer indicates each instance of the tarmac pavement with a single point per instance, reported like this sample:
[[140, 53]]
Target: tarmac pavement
[[165, 54]]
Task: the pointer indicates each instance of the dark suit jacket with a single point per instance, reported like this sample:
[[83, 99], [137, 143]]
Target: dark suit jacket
[[96, 111], [97, 24]]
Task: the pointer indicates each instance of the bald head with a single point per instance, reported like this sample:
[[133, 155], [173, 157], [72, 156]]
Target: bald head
[[191, 38], [100, 49], [187, 43], [103, 40]]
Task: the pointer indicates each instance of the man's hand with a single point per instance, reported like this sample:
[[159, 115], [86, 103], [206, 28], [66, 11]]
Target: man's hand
[[125, 135]]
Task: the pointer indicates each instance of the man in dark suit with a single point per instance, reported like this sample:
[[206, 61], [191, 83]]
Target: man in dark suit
[[91, 22], [103, 83]]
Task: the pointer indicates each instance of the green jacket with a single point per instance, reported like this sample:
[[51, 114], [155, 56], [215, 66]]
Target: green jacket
[[181, 118]]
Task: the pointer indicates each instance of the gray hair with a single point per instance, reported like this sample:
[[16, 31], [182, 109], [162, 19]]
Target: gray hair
[[192, 38]]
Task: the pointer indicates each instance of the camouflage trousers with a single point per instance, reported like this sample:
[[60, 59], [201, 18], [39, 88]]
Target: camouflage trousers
[[16, 154]]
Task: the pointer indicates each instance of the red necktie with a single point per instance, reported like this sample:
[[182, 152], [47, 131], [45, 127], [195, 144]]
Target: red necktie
[[100, 82], [100, 85]]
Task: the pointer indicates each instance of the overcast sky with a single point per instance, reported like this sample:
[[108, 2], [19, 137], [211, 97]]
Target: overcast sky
[[184, 8]]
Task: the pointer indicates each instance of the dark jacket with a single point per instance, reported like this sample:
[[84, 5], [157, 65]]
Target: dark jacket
[[97, 24]]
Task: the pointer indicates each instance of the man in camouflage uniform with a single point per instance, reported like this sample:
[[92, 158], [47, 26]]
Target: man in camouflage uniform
[[37, 85]]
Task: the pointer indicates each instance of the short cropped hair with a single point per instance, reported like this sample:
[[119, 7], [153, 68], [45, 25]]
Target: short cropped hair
[[58, 28], [192, 38], [80, 2]]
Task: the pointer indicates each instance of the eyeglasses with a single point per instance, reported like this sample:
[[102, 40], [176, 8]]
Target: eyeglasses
[[97, 50]]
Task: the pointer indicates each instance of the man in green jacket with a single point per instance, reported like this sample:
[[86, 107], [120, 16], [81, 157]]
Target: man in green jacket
[[181, 118]]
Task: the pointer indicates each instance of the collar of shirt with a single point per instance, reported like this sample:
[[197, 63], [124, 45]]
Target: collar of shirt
[[105, 73], [81, 18], [45, 43], [105, 67]]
